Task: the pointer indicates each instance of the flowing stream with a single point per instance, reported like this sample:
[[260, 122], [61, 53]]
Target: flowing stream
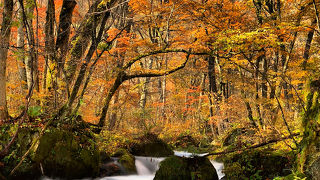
[[146, 169], [148, 166]]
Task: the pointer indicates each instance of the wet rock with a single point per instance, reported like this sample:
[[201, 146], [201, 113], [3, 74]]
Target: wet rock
[[179, 168], [127, 160], [110, 169], [67, 155]]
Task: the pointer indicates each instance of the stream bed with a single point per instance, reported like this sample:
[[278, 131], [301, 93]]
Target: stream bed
[[148, 166]]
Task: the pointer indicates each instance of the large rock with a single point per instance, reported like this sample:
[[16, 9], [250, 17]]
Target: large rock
[[179, 168], [127, 160], [150, 145], [64, 154]]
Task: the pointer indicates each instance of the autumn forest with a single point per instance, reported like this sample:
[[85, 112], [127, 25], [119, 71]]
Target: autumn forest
[[85, 82]]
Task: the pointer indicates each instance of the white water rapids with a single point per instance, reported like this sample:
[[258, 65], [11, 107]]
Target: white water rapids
[[148, 166]]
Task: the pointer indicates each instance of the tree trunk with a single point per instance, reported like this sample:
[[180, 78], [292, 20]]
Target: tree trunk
[[306, 53], [144, 90], [119, 80], [21, 50], [264, 87], [113, 116], [275, 70], [4, 40], [64, 30], [31, 59], [259, 59], [80, 41], [212, 92], [49, 44]]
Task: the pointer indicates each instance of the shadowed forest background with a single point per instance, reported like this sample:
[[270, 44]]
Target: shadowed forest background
[[238, 79]]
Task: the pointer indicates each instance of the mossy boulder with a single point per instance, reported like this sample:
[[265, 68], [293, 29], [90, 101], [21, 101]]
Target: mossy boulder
[[67, 155], [179, 168], [127, 160], [150, 145], [256, 164]]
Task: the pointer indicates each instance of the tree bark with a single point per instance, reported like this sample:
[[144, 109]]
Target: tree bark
[[64, 30], [31, 59], [256, 75], [21, 49], [306, 53], [212, 92], [49, 43], [4, 40], [144, 90], [81, 40]]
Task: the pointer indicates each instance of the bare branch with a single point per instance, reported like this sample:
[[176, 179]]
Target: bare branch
[[159, 73], [254, 146]]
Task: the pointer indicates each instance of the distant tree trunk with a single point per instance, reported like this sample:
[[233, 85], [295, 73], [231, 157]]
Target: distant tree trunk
[[306, 53], [49, 43], [264, 87], [202, 93], [275, 70], [144, 89], [248, 107], [212, 92], [113, 116], [258, 5], [31, 59], [162, 96], [4, 42], [21, 50], [256, 75]]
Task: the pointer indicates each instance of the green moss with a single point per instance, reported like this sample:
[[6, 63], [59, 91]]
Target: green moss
[[126, 159], [62, 154], [173, 168], [128, 162], [292, 176], [256, 164], [178, 168], [309, 145]]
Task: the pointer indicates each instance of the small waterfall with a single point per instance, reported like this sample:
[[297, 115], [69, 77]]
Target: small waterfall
[[219, 167], [147, 165], [188, 154], [146, 169]]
